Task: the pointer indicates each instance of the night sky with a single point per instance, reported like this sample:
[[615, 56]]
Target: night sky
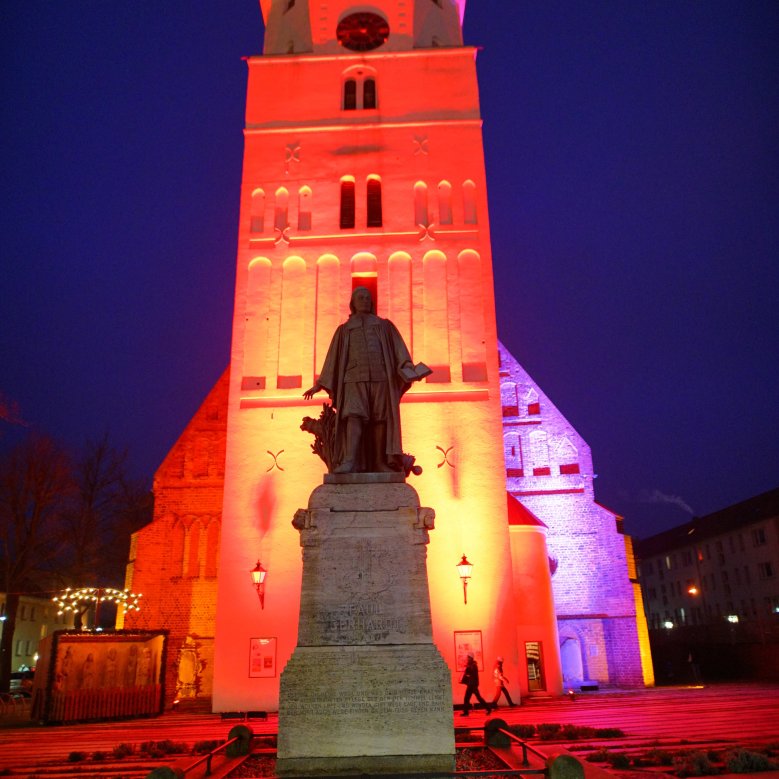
[[632, 157]]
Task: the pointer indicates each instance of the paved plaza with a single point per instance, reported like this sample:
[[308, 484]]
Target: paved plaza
[[728, 713]]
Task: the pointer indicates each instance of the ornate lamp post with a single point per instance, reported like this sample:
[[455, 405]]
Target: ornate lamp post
[[258, 579], [464, 568]]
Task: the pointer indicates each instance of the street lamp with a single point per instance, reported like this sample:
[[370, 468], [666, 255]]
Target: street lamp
[[258, 579], [464, 568]]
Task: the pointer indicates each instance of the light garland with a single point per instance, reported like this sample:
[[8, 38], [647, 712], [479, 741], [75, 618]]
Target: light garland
[[76, 600]]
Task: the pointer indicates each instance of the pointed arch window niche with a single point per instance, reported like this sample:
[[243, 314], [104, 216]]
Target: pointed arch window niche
[[347, 203], [374, 202]]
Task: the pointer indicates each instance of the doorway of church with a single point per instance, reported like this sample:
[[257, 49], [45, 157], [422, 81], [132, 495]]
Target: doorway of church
[[571, 659], [535, 666]]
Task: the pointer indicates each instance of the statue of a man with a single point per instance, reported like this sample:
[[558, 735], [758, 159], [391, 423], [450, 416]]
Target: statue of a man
[[366, 371]]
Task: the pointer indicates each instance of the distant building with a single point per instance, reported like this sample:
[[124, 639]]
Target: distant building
[[721, 567], [35, 619]]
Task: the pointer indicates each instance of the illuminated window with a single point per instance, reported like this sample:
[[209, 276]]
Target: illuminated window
[[533, 409], [569, 469], [374, 202], [350, 94], [369, 93], [347, 203]]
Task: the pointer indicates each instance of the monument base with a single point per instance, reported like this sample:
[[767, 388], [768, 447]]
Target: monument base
[[365, 709], [366, 690]]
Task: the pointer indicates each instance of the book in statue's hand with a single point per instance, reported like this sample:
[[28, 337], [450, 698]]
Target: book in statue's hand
[[415, 372]]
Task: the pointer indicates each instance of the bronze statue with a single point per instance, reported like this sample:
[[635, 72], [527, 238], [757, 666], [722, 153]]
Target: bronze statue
[[366, 371]]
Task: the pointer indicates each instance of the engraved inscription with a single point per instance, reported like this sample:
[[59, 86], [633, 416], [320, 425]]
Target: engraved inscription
[[427, 700], [366, 618]]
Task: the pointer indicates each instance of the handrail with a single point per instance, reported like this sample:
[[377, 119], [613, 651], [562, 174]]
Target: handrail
[[525, 748], [207, 758]]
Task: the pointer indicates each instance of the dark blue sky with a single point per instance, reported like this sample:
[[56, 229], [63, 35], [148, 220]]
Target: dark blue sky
[[632, 152]]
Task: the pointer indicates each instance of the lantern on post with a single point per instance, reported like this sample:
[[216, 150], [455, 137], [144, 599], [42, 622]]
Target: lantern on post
[[464, 568], [258, 579]]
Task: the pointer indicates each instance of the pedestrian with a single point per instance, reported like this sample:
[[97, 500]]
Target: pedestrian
[[470, 679], [501, 680]]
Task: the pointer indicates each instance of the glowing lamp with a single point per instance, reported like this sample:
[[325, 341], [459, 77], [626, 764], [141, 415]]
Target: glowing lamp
[[732, 618], [693, 590], [258, 579], [464, 568], [668, 624]]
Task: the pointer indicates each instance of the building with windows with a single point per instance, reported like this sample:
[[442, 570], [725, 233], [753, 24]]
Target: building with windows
[[36, 618], [363, 166], [723, 567]]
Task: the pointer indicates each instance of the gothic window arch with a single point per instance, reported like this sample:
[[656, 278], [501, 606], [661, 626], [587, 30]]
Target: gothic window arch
[[436, 316], [532, 402], [347, 203], [400, 294], [369, 93], [350, 94], [178, 541], [474, 360], [567, 456], [373, 202]]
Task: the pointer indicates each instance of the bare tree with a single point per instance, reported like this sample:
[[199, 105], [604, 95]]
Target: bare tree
[[35, 485]]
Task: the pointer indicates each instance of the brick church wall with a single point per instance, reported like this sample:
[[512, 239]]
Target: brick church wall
[[174, 559]]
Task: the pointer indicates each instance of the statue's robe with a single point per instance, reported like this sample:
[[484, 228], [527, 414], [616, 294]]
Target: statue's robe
[[395, 356]]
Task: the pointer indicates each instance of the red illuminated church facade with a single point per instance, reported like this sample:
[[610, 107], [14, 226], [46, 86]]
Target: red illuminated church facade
[[363, 165]]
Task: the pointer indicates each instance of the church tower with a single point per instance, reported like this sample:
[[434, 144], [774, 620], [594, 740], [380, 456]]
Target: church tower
[[363, 165]]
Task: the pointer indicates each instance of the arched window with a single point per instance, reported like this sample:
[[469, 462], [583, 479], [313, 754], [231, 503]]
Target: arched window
[[469, 203], [177, 546], [374, 202], [304, 208], [257, 222], [282, 203], [421, 216], [350, 94], [369, 93], [539, 453], [436, 321], [512, 450], [444, 203], [508, 399], [400, 294], [347, 203], [328, 316], [359, 88]]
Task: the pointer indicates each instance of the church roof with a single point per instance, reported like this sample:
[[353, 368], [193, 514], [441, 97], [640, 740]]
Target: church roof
[[520, 515]]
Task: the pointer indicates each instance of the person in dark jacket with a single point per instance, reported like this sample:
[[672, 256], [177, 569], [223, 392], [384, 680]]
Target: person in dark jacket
[[471, 681]]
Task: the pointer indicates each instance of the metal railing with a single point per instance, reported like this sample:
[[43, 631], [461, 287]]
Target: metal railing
[[209, 757]]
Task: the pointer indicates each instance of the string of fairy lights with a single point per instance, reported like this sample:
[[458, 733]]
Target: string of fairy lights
[[76, 600]]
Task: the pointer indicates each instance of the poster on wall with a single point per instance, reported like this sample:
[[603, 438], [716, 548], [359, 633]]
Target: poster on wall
[[468, 641], [262, 657]]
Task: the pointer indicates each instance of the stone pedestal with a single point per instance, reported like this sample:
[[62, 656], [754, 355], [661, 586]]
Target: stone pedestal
[[366, 690]]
